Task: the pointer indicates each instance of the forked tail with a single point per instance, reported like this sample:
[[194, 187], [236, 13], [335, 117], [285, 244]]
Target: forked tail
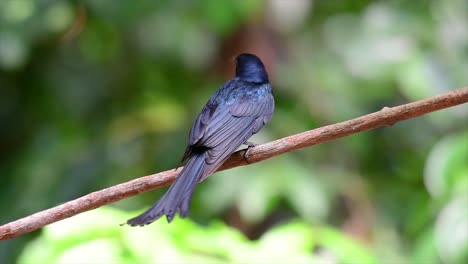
[[177, 197]]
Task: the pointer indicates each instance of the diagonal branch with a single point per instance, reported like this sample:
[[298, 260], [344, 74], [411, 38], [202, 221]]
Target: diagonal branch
[[386, 116]]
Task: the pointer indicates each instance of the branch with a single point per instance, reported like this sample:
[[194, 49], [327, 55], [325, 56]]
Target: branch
[[386, 116]]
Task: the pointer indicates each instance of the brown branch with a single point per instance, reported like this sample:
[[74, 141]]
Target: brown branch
[[386, 116]]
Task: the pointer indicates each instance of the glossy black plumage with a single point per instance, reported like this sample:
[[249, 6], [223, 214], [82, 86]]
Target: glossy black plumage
[[231, 116]]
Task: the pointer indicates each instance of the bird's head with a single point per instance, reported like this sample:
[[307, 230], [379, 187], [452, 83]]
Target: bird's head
[[250, 68]]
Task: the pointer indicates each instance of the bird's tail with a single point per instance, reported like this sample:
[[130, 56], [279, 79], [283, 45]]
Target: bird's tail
[[177, 197]]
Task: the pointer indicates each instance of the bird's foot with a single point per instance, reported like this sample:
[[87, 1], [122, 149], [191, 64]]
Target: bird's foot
[[250, 146]]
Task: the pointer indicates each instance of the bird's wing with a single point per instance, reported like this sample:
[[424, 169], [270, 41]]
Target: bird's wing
[[232, 125], [222, 122], [223, 142], [261, 105], [227, 129], [222, 128], [201, 123], [209, 111]]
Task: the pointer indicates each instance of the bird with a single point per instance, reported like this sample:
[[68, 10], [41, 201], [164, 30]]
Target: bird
[[236, 111]]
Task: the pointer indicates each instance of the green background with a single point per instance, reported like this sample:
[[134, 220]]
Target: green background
[[95, 93]]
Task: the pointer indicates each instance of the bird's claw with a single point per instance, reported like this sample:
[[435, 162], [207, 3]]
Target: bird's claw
[[250, 146]]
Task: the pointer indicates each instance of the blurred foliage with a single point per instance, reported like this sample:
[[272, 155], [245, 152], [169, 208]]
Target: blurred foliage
[[94, 93], [182, 242]]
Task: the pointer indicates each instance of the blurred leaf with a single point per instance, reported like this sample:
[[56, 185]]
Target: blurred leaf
[[59, 16], [451, 230], [346, 249], [446, 171], [16, 11], [425, 249], [100, 42], [91, 238], [13, 50]]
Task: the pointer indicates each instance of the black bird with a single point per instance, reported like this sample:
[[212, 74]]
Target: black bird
[[231, 116]]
